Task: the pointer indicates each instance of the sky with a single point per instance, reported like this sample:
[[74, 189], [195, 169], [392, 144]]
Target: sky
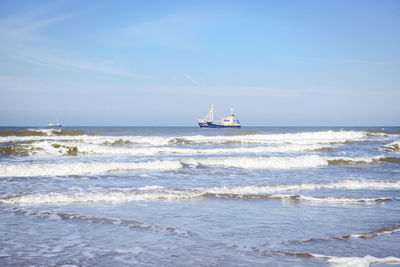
[[163, 63]]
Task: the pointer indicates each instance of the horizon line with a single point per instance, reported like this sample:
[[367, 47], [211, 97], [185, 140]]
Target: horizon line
[[196, 126]]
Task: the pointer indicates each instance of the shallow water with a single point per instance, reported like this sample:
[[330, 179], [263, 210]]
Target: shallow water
[[187, 196]]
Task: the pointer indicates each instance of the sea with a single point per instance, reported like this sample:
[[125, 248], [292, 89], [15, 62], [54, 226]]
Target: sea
[[185, 196]]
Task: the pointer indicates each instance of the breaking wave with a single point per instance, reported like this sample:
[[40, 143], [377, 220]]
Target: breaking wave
[[237, 192], [83, 149], [338, 161], [25, 170], [259, 162], [344, 261], [120, 197], [392, 147], [328, 199], [89, 197], [383, 231], [303, 138], [333, 260], [342, 184], [98, 168], [91, 139], [300, 162], [307, 161], [40, 132], [357, 261]]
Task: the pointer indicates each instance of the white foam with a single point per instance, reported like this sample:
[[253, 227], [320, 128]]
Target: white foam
[[161, 193], [384, 231], [329, 199], [91, 139], [304, 138], [171, 194], [271, 189], [52, 148], [114, 197], [46, 131], [357, 261], [151, 187], [300, 162], [134, 250], [260, 162], [320, 137], [25, 170]]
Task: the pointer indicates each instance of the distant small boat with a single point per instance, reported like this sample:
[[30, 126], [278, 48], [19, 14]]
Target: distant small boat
[[54, 125], [227, 122]]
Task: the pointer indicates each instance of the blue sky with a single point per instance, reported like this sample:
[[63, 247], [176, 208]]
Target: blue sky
[[165, 62]]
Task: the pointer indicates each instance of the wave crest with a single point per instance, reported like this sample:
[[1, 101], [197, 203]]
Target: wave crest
[[260, 162], [46, 148], [98, 168], [321, 137], [41, 132], [235, 192], [382, 231], [94, 168], [120, 197], [302, 138], [392, 147], [132, 224], [358, 261]]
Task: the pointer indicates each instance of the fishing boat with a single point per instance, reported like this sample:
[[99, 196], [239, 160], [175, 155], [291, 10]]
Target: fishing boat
[[227, 122], [54, 125]]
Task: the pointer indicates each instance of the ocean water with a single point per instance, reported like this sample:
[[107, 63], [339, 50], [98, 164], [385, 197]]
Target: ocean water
[[124, 196]]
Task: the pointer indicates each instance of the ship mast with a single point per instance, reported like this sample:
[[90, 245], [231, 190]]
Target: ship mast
[[212, 112]]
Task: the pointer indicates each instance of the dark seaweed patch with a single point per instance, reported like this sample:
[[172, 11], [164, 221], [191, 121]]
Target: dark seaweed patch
[[121, 142], [18, 150], [390, 159], [72, 151], [22, 133]]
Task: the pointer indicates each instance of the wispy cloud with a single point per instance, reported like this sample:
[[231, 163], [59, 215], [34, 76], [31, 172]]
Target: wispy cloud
[[22, 85], [26, 28], [22, 39], [52, 59], [190, 78]]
